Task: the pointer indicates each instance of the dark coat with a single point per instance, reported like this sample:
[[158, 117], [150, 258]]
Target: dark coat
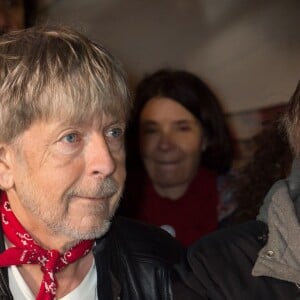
[[133, 261], [219, 267]]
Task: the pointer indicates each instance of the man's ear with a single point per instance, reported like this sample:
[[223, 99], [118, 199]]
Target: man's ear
[[6, 172]]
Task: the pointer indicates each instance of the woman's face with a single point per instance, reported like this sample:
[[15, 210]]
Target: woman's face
[[171, 142]]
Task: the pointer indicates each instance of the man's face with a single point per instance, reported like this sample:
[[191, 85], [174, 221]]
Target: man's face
[[12, 15], [171, 141], [68, 178]]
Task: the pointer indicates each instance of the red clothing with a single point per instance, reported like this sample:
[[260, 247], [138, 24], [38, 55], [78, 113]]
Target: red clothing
[[191, 216]]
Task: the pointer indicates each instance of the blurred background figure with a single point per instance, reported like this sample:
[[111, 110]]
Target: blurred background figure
[[178, 146], [17, 14], [271, 161], [12, 15]]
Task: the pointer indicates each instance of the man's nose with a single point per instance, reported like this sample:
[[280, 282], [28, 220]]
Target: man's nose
[[99, 160]]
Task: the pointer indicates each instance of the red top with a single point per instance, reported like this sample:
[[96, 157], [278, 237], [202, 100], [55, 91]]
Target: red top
[[191, 216]]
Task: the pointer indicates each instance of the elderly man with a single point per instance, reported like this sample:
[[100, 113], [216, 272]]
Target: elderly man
[[259, 259], [64, 104]]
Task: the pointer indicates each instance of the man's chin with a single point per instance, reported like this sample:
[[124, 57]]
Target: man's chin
[[90, 233], [94, 227], [98, 232]]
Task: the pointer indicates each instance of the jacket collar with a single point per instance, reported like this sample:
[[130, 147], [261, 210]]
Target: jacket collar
[[108, 286], [280, 257]]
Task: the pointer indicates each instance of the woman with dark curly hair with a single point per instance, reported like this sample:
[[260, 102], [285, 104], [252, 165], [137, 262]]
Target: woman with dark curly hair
[[178, 145], [271, 161]]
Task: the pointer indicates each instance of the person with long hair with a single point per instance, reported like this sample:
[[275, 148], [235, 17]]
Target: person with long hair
[[178, 146]]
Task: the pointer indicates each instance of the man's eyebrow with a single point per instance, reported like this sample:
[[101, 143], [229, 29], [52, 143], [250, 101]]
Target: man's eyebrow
[[113, 122], [116, 120]]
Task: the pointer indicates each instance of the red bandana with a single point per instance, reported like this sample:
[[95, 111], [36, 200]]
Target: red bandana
[[26, 251]]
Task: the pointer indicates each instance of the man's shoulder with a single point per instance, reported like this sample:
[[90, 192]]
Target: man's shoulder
[[247, 238], [228, 255], [140, 258], [220, 266], [147, 241]]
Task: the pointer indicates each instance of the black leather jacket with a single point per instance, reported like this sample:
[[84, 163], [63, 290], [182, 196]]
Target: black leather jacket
[[133, 261]]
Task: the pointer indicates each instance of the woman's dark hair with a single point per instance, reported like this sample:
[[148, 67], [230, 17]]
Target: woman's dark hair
[[271, 161], [30, 8], [192, 93]]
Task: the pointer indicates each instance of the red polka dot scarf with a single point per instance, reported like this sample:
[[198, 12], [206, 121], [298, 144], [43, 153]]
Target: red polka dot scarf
[[26, 251]]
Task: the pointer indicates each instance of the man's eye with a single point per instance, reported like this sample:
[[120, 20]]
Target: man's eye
[[71, 138], [115, 132]]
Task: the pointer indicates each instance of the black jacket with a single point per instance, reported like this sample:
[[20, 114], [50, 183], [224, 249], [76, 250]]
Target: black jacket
[[219, 267], [133, 262]]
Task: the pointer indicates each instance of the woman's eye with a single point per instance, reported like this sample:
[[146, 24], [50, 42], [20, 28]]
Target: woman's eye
[[71, 138], [184, 128], [149, 130]]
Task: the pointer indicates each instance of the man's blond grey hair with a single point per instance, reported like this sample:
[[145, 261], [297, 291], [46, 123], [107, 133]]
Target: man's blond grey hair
[[56, 72]]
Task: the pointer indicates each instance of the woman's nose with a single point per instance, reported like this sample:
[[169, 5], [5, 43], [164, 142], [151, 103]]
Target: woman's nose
[[166, 141]]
